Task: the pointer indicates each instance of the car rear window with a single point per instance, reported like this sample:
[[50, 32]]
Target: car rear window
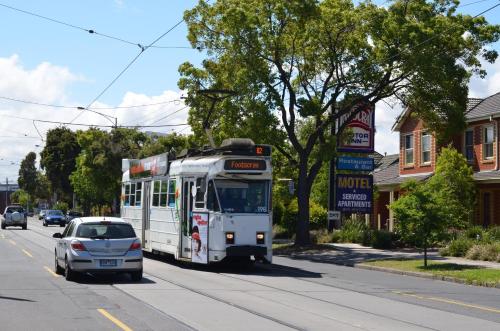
[[14, 209], [107, 231]]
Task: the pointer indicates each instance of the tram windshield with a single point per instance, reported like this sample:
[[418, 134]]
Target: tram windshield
[[243, 196]]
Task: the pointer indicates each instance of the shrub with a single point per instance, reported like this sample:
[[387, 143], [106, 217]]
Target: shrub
[[290, 215], [474, 253], [490, 252], [475, 232], [444, 251], [460, 246], [381, 239], [354, 231], [493, 233], [280, 232], [321, 236], [278, 210], [317, 216]]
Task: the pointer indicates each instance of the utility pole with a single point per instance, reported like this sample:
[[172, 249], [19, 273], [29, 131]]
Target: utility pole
[[331, 184]]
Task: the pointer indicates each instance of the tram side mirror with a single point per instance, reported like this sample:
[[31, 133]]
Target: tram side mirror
[[193, 190]]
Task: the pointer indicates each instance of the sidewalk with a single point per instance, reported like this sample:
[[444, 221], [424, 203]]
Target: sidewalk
[[352, 254]]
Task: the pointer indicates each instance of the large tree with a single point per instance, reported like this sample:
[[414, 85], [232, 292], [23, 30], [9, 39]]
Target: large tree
[[28, 174], [97, 177], [296, 61], [58, 159]]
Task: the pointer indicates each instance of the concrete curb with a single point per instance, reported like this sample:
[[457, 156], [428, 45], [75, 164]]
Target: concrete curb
[[423, 275]]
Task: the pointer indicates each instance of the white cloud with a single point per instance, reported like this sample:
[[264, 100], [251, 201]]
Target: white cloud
[[386, 141], [48, 84]]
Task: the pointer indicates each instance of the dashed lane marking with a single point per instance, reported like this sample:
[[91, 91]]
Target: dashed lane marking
[[51, 271], [27, 253], [453, 302], [113, 319], [12, 242]]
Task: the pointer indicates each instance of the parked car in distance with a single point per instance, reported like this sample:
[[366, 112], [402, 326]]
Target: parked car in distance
[[72, 214], [41, 215], [98, 245], [54, 217], [14, 216]]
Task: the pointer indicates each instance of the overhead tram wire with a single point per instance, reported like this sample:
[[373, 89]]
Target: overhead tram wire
[[143, 49], [97, 108], [90, 31]]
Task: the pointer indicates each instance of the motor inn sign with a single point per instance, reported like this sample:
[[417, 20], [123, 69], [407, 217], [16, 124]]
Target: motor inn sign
[[362, 127]]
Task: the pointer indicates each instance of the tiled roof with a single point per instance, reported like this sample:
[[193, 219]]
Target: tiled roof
[[387, 172], [387, 169], [483, 108], [486, 175]]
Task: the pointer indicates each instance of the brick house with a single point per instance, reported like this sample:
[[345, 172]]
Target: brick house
[[479, 143]]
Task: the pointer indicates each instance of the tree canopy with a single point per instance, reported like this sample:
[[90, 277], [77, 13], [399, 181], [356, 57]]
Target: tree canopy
[[308, 62], [27, 179], [58, 159]]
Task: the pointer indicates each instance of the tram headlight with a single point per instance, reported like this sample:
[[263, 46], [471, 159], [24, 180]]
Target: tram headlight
[[229, 238], [260, 238]]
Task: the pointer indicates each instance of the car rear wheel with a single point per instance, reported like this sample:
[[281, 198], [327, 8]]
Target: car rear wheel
[[44, 223], [57, 268], [69, 274], [3, 226], [136, 275], [25, 226], [62, 225]]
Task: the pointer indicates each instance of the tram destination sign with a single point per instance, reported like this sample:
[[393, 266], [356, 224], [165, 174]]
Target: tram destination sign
[[355, 163], [354, 193], [245, 165]]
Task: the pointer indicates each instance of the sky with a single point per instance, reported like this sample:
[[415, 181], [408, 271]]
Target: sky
[[61, 63]]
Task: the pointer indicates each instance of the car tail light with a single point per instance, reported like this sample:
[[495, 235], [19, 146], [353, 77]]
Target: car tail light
[[260, 238], [77, 246], [135, 246], [229, 238]]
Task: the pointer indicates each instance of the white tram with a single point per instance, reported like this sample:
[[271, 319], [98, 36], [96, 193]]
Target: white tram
[[204, 207]]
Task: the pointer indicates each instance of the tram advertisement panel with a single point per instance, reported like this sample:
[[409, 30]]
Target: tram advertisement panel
[[199, 238]]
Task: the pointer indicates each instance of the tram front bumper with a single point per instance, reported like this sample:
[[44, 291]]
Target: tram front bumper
[[246, 250]]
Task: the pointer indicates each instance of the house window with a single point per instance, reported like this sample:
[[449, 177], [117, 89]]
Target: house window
[[488, 142], [409, 149], [469, 145], [426, 147]]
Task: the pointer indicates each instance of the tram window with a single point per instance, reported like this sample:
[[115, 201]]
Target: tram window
[[138, 194], [200, 193], [243, 196], [171, 193], [132, 194], [156, 193], [127, 195], [212, 202], [163, 194]]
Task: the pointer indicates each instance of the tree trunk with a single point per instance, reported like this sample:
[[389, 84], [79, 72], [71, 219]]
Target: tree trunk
[[303, 192], [425, 255]]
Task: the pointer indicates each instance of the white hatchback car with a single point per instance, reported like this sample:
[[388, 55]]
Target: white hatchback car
[[98, 245]]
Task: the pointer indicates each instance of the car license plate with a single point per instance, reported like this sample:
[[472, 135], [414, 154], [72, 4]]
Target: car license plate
[[108, 263]]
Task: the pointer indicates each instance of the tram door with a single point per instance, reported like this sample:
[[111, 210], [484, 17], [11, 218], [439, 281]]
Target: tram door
[[188, 188], [146, 216]]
